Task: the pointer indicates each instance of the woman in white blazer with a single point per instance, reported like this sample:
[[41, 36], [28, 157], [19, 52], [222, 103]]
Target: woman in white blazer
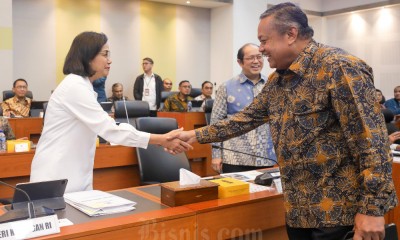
[[74, 118]]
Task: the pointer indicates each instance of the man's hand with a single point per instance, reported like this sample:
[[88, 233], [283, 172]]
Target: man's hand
[[394, 137], [369, 227], [216, 164], [187, 136], [173, 144]]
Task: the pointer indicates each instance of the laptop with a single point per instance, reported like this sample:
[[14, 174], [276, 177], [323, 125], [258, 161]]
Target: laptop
[[196, 106], [49, 194], [106, 106], [36, 108]]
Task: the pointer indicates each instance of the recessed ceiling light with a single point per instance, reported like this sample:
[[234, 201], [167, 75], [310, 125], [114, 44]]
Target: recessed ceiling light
[[188, 2]]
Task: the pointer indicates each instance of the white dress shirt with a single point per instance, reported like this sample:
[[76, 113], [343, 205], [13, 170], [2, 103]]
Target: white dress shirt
[[149, 85], [67, 145]]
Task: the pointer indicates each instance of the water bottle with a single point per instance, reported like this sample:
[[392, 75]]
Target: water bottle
[[189, 106], [2, 141]]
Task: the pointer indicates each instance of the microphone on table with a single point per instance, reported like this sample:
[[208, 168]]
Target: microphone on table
[[263, 179], [14, 215]]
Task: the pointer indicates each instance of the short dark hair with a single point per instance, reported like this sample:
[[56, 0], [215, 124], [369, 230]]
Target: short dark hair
[[84, 49], [383, 100], [287, 15], [183, 81], [148, 59], [240, 53], [205, 82], [115, 85], [19, 80]]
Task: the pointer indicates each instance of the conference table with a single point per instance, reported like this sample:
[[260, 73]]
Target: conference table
[[257, 215]]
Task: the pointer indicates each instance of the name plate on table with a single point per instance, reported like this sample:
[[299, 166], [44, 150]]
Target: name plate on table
[[18, 146], [30, 228]]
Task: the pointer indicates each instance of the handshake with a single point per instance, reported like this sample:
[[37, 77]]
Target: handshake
[[176, 141]]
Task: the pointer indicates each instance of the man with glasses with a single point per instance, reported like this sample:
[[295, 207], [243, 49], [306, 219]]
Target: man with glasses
[[232, 96], [148, 87], [179, 102], [19, 105]]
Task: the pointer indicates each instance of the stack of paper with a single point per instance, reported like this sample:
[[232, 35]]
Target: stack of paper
[[97, 203]]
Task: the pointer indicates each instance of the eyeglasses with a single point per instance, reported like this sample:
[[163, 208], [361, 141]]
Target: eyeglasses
[[21, 87], [106, 54], [186, 86], [252, 58], [167, 83]]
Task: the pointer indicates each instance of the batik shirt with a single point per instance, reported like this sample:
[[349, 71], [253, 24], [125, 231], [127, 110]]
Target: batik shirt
[[329, 136], [254, 148], [17, 107], [174, 104]]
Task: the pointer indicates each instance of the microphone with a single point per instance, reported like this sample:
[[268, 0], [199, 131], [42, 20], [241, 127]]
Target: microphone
[[126, 110], [20, 214], [248, 154]]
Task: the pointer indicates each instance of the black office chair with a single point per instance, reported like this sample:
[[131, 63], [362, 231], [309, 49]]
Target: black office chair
[[208, 105], [164, 96], [389, 116], [9, 94], [134, 109], [155, 164], [194, 92]]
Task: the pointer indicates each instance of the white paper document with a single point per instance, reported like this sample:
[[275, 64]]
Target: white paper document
[[97, 203]]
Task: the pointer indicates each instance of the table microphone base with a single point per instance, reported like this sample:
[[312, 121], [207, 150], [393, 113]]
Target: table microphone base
[[22, 214]]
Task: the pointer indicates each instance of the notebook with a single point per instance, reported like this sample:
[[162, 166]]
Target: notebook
[[49, 194]]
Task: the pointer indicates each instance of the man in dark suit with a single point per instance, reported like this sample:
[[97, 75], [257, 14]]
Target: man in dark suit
[[148, 87]]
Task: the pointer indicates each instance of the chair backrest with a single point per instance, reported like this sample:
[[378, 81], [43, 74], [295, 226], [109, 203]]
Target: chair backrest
[[164, 96], [9, 94], [194, 92], [155, 164], [134, 109], [389, 116], [208, 105]]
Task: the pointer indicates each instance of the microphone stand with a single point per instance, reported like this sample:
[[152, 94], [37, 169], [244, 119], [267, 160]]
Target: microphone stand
[[14, 215]]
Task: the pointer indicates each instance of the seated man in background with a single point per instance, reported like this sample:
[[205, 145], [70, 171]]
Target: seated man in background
[[206, 93], [179, 102], [5, 126], [167, 85], [393, 104], [19, 105], [117, 93]]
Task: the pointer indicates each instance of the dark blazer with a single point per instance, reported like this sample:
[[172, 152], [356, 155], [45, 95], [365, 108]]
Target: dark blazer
[[138, 88]]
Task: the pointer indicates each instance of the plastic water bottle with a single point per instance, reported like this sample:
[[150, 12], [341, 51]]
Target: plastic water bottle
[[189, 106], [2, 141]]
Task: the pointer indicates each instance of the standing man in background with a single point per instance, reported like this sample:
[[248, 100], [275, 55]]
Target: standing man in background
[[148, 87], [19, 105], [232, 96]]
